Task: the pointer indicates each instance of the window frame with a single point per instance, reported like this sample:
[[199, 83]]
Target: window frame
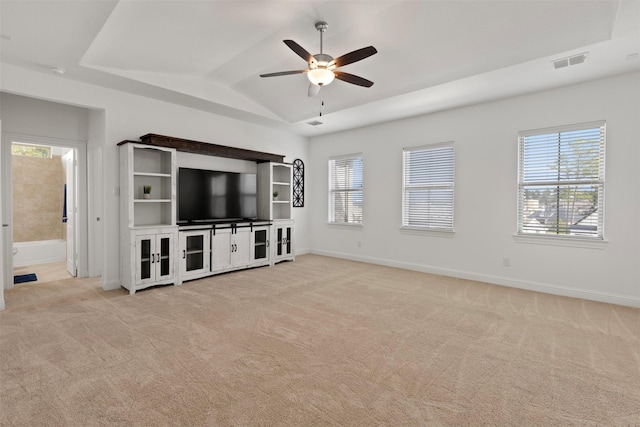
[[332, 191], [433, 228], [568, 239]]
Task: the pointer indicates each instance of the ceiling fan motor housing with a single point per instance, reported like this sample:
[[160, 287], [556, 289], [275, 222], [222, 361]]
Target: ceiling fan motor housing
[[321, 61]]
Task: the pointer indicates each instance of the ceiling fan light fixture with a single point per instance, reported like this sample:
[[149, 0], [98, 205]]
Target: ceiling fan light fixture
[[320, 76]]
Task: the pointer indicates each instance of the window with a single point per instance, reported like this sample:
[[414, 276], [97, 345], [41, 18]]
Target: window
[[345, 189], [428, 176], [30, 150], [561, 181]]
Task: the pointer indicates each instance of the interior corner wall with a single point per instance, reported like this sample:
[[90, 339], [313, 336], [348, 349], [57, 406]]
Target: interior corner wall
[[485, 140], [127, 117]]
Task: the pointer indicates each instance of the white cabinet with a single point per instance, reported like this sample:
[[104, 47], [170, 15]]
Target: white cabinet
[[150, 259], [221, 249], [282, 239], [147, 221], [194, 254], [260, 242], [231, 247], [154, 251], [154, 168], [239, 246], [272, 178]]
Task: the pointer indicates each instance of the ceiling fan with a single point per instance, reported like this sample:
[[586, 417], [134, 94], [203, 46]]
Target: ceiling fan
[[322, 67]]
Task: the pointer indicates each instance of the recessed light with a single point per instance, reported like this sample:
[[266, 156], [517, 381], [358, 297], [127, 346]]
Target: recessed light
[[314, 123], [57, 70]]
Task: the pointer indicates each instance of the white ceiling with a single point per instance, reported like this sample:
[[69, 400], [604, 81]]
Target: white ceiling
[[432, 55]]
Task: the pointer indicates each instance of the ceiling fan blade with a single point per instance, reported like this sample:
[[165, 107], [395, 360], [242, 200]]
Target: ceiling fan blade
[[313, 90], [283, 73], [302, 53], [353, 79], [356, 55]]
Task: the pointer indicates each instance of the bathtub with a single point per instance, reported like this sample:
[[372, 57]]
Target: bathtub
[[39, 252]]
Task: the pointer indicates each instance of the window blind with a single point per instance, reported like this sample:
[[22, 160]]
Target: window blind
[[561, 181], [346, 189], [428, 184]]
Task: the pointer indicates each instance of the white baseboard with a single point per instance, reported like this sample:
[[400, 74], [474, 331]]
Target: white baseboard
[[110, 286], [546, 288], [1, 304]]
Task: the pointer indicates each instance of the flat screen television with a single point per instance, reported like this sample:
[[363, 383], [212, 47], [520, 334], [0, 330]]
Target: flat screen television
[[206, 195]]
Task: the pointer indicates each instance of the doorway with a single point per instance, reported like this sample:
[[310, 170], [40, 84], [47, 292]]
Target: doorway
[[46, 184]]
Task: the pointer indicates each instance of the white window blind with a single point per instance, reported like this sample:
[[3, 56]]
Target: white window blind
[[345, 189], [561, 181], [428, 185]]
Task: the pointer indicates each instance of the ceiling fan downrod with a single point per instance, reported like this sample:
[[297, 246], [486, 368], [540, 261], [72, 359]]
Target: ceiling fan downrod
[[321, 26]]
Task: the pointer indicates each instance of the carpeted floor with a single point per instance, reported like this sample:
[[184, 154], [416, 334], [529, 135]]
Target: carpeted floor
[[321, 341]]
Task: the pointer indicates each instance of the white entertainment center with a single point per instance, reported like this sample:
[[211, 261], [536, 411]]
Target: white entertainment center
[[156, 249]]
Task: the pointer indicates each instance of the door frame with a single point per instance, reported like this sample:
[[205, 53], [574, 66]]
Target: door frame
[[4, 275], [82, 235], [71, 201]]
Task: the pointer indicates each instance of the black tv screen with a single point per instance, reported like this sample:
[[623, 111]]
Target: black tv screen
[[206, 195]]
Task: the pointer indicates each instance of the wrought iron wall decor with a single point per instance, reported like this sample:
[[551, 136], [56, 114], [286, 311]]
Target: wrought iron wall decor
[[298, 183]]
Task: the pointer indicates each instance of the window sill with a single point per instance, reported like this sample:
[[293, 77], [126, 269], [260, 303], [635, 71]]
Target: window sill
[[346, 224], [422, 231], [561, 241]]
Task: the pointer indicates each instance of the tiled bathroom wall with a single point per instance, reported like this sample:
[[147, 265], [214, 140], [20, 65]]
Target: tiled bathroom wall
[[38, 189]]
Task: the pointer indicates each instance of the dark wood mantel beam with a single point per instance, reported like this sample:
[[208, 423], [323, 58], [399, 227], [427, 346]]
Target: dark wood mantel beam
[[205, 148]]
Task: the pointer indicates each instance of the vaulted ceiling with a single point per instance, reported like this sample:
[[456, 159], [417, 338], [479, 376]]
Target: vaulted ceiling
[[432, 55]]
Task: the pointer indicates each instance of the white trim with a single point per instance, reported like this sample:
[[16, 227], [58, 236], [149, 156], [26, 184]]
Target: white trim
[[553, 240], [110, 286], [358, 225], [605, 297], [346, 156], [428, 146], [302, 251], [563, 128], [425, 231]]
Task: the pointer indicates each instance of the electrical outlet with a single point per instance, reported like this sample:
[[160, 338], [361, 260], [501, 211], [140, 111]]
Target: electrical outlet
[[116, 191], [506, 261]]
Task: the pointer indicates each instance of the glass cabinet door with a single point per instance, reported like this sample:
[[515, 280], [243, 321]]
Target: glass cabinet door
[[164, 256], [288, 241], [279, 241], [194, 254], [145, 259], [260, 244]]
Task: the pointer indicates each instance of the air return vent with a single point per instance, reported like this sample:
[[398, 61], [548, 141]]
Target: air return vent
[[570, 60]]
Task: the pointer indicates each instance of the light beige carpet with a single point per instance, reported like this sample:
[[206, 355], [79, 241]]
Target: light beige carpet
[[320, 341]]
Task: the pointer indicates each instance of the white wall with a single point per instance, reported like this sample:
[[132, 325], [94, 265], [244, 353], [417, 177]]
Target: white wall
[[485, 138], [128, 117], [35, 117]]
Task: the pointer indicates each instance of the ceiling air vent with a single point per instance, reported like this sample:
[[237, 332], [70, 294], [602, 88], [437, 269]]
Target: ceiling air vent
[[571, 60], [314, 123]]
